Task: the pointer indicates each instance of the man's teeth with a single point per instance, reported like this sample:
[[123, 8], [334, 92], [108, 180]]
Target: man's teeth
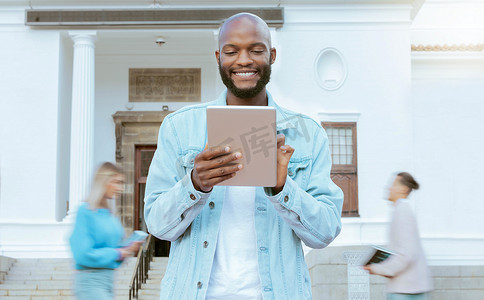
[[246, 74]]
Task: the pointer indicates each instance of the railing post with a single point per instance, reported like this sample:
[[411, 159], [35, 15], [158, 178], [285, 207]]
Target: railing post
[[137, 287], [141, 269]]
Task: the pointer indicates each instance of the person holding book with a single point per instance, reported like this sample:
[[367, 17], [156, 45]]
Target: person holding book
[[96, 241], [406, 269]]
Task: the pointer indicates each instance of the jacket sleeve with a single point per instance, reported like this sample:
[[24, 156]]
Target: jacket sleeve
[[313, 214], [171, 201], [405, 237], [82, 245]]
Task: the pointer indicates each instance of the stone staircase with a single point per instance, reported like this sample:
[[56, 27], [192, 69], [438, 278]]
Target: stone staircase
[[52, 279], [151, 289]]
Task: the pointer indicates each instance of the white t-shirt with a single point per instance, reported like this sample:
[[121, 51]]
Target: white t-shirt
[[235, 270]]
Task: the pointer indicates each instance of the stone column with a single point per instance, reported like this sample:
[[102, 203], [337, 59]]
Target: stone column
[[82, 118]]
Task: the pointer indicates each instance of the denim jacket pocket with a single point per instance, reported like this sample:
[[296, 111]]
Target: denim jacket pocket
[[299, 170]]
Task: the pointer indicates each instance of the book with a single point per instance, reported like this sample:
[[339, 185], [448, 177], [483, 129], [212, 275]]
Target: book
[[377, 255]]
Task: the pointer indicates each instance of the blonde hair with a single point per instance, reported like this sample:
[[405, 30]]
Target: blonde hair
[[98, 189]]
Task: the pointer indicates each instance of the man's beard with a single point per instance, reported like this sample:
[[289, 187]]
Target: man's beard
[[265, 77]]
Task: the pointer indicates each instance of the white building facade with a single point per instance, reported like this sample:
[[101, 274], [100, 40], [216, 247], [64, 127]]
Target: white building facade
[[409, 73]]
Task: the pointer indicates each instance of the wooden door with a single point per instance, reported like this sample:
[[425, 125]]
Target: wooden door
[[143, 156]]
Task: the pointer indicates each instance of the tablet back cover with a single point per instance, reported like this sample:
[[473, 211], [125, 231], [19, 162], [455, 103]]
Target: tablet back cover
[[252, 131]]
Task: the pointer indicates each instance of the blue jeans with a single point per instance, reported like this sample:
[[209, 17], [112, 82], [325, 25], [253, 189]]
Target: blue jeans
[[94, 284], [422, 296]]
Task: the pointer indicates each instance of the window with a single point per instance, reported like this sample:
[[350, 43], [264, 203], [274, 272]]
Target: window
[[342, 145]]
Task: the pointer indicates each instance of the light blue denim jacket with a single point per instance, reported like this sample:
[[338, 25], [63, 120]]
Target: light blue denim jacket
[[308, 208]]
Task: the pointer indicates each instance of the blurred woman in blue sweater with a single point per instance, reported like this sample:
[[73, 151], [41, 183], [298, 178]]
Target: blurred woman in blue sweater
[[95, 241]]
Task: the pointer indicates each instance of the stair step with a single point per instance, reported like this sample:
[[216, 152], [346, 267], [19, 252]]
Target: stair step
[[18, 287], [149, 292], [54, 286], [12, 277], [151, 286], [39, 279], [156, 272], [42, 260], [42, 269], [44, 281], [153, 281], [60, 277], [42, 272], [38, 298], [38, 293], [158, 265]]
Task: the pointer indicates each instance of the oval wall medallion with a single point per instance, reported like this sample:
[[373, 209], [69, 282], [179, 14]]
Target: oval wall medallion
[[330, 69]]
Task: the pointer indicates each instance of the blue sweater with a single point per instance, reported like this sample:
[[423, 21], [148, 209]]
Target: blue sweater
[[97, 235]]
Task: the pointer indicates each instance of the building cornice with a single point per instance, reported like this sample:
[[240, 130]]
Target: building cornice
[[304, 14], [108, 18], [35, 4], [447, 48]]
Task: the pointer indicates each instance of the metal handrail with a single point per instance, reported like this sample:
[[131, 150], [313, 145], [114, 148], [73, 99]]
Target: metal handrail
[[140, 274]]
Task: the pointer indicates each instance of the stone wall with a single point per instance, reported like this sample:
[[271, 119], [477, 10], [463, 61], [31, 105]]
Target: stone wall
[[329, 277], [458, 282], [5, 264]]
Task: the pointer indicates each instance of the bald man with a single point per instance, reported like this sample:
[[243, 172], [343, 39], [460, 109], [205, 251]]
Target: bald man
[[231, 242]]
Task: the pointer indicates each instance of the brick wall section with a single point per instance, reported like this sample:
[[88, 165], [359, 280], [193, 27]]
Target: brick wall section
[[329, 278]]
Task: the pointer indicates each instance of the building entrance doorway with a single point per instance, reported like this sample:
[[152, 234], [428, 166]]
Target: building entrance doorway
[[143, 156], [136, 137]]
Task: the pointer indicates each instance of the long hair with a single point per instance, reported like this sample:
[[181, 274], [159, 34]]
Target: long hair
[[105, 172]]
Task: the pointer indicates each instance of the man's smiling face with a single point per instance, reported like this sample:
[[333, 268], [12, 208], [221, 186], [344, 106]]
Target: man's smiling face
[[245, 57]]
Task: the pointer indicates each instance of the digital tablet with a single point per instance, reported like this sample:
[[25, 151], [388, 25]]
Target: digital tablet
[[137, 236], [250, 130]]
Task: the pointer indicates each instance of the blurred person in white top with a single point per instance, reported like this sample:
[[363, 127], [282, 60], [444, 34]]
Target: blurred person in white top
[[407, 271]]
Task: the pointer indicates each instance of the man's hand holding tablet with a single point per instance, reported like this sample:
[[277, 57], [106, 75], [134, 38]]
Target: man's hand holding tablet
[[214, 165], [284, 153]]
